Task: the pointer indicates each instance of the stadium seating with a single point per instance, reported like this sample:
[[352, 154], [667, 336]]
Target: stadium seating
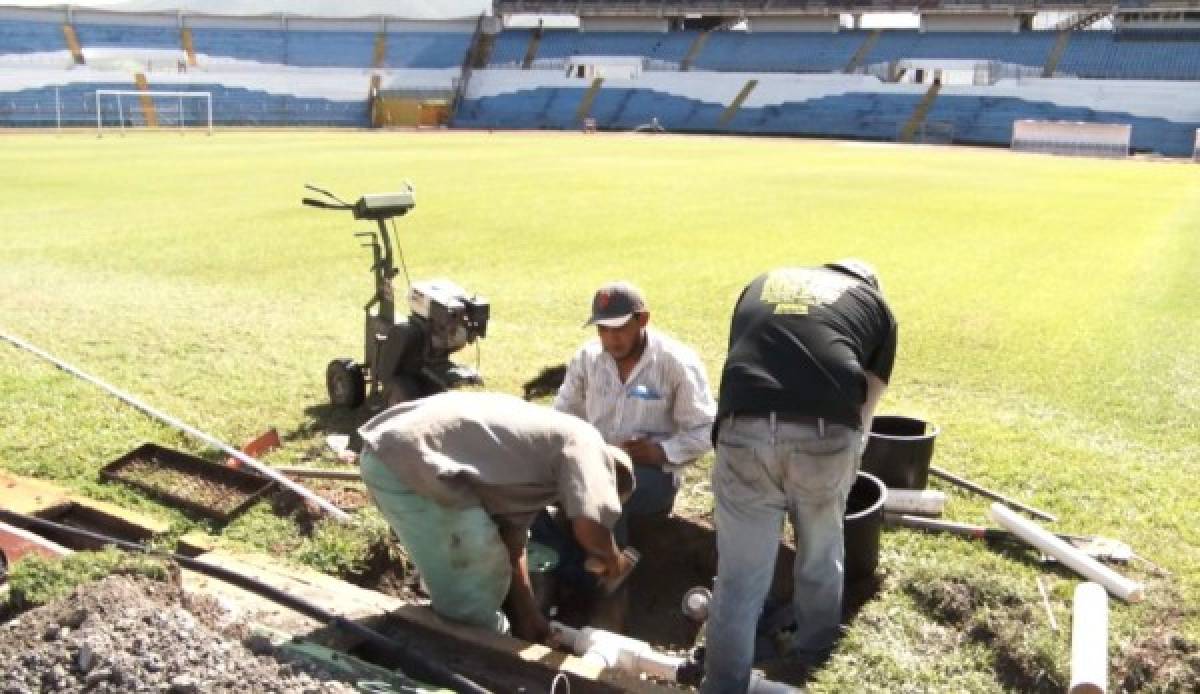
[[662, 46], [1029, 48], [509, 48], [319, 76], [427, 49], [740, 51], [19, 36], [260, 45], [1100, 55], [330, 48], [126, 36], [76, 102]]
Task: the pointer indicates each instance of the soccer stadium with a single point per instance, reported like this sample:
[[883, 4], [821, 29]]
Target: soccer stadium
[[236, 235]]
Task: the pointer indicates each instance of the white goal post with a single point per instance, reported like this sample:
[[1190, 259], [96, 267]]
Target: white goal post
[[179, 109]]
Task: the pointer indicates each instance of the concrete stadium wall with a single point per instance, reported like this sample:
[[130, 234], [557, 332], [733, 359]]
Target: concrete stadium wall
[[974, 22], [622, 24], [1175, 101], [767, 24]]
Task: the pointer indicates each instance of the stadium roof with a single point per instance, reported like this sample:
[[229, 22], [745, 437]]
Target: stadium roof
[[406, 9]]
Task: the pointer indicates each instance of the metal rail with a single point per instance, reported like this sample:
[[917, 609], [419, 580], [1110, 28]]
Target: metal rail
[[994, 496]]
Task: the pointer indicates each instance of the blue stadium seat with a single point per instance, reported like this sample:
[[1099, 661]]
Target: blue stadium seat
[[260, 45], [127, 36], [330, 48], [427, 49], [19, 36], [740, 51]]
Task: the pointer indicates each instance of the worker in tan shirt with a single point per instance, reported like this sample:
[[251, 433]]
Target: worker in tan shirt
[[460, 477]]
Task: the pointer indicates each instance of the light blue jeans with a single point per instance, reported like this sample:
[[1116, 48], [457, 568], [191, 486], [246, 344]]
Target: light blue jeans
[[459, 552], [765, 469]]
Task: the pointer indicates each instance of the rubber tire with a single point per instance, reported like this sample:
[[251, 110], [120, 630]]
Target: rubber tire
[[346, 383]]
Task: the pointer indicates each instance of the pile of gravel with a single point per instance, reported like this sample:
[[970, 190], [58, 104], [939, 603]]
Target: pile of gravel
[[128, 634]]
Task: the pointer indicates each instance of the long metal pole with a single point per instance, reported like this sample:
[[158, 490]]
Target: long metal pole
[[994, 496], [432, 672], [265, 470], [320, 473]]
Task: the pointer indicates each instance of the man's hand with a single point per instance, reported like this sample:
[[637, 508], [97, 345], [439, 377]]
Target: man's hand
[[645, 452]]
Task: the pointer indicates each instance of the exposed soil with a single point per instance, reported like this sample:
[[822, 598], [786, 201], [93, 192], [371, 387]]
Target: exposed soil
[[348, 496], [990, 614], [197, 489], [133, 634], [389, 571], [1162, 661]]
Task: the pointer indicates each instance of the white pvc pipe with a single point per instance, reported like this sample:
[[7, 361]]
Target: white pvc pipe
[[607, 649], [925, 502], [1089, 640], [1080, 562], [265, 470]]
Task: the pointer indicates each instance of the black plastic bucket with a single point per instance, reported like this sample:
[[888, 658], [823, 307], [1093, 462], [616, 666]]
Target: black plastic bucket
[[899, 450], [863, 523]]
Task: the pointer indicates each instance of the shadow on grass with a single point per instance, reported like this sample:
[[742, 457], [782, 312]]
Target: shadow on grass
[[325, 419]]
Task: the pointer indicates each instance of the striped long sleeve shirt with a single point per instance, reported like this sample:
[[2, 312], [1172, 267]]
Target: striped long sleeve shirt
[[665, 398]]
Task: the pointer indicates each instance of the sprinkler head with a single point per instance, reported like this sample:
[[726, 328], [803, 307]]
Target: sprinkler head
[[696, 602]]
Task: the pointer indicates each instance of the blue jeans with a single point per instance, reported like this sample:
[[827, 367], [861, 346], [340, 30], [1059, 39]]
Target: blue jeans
[[765, 469], [654, 493]]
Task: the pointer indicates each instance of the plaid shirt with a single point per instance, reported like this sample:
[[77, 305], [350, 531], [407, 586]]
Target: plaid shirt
[[666, 397]]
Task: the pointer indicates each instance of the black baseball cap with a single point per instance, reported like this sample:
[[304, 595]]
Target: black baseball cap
[[615, 303]]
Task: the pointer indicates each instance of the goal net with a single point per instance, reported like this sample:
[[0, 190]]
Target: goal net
[[119, 109]]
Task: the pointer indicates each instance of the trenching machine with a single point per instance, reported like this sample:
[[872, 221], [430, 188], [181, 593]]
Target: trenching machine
[[405, 357]]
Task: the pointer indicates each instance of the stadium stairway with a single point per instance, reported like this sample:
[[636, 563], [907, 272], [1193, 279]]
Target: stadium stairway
[[148, 111], [909, 130], [73, 44]]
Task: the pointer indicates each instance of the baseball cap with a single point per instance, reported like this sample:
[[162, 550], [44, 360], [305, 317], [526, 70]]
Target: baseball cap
[[858, 268], [614, 304]]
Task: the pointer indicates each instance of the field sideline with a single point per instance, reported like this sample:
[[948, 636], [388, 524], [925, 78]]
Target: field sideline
[[1047, 306]]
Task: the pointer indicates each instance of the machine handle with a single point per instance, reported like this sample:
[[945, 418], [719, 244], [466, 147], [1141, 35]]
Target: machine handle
[[313, 202]]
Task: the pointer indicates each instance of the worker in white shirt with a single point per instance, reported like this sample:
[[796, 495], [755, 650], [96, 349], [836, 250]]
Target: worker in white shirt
[[644, 391]]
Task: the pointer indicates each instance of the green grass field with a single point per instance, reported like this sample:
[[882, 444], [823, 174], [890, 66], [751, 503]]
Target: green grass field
[[1048, 314]]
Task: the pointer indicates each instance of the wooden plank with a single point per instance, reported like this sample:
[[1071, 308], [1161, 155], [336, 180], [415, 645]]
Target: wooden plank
[[472, 647]]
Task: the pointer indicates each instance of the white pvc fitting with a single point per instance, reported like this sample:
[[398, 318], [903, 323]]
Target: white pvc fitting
[[1051, 544], [1089, 640], [762, 685], [925, 502], [616, 651]]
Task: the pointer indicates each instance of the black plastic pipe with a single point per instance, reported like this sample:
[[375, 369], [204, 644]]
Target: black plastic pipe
[[395, 648], [994, 496]]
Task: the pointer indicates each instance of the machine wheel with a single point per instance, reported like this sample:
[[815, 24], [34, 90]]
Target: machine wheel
[[346, 383]]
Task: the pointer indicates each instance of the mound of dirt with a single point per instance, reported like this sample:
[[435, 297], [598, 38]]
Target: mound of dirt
[[132, 634]]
